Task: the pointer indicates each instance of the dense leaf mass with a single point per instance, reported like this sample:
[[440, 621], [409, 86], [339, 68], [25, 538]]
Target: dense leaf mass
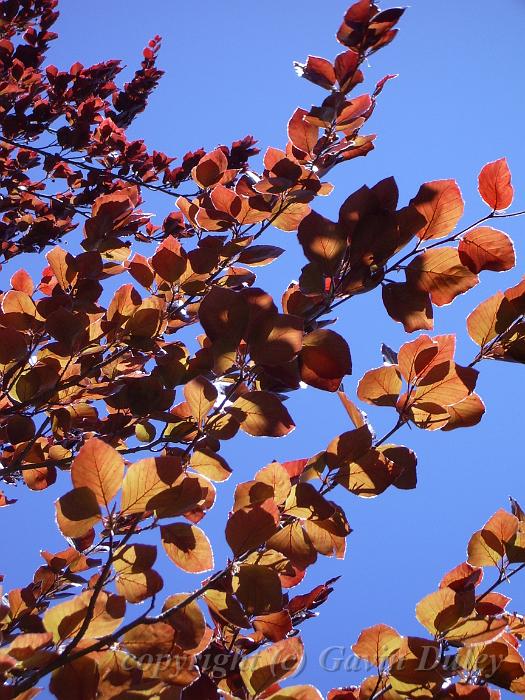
[[101, 394]]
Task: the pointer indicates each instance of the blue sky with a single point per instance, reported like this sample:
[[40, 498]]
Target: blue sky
[[458, 103]]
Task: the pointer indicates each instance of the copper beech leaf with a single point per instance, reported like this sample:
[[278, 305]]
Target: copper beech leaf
[[381, 386], [441, 203], [490, 318], [248, 528], [262, 413], [201, 396], [487, 546], [323, 241], [494, 184], [301, 133], [99, 467], [486, 248], [465, 413], [77, 511], [276, 339], [65, 619], [441, 610], [274, 626], [146, 479], [441, 273], [324, 359], [136, 580], [258, 588], [377, 643], [188, 547], [408, 306], [276, 662]]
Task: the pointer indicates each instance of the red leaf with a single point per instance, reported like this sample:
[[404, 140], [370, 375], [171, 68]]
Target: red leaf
[[494, 185]]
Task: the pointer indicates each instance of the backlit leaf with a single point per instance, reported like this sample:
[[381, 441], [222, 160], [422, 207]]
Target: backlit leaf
[[441, 203], [188, 547], [99, 467], [494, 184], [486, 248]]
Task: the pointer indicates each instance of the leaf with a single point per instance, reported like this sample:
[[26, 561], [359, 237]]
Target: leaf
[[187, 620], [441, 610], [274, 626], [466, 413], [210, 168], [349, 446], [441, 203], [65, 619], [201, 396], [21, 281], [494, 184], [324, 359], [169, 260], [476, 629], [223, 312], [226, 608], [276, 339], [381, 386], [136, 580], [486, 248], [490, 318], [323, 241], [427, 360], [249, 528], [99, 467], [188, 547], [405, 462], [291, 217], [261, 670], [79, 679], [259, 255], [487, 546], [377, 643], [262, 413], [369, 475], [301, 133], [146, 479], [275, 476], [258, 588], [408, 306], [210, 464], [77, 511], [441, 273], [63, 265]]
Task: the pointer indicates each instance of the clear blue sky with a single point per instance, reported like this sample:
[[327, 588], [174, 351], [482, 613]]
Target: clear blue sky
[[457, 104]]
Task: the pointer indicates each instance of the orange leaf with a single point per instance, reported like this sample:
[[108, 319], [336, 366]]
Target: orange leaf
[[441, 203], [466, 413], [201, 396], [494, 184], [188, 547], [99, 467], [380, 386], [146, 479], [441, 273], [261, 670], [77, 511], [486, 248], [377, 643], [262, 413], [490, 318]]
